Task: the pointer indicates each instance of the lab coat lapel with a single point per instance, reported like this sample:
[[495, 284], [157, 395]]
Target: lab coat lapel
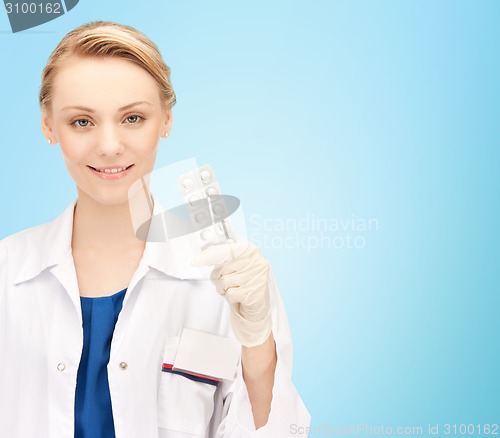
[[66, 275]]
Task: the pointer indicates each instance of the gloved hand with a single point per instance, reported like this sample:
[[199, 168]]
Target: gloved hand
[[240, 275]]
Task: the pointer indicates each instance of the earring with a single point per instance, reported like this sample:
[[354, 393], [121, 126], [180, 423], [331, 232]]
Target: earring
[[49, 141], [166, 134]]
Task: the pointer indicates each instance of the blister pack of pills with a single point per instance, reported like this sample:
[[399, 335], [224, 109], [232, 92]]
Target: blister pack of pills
[[206, 206]]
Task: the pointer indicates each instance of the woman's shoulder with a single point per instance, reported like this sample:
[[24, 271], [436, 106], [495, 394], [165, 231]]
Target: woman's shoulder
[[18, 248], [36, 242], [24, 237]]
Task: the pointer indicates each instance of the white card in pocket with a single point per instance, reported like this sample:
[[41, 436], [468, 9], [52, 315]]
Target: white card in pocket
[[207, 354]]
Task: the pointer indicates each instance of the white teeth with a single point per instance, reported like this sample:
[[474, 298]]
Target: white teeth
[[121, 169]]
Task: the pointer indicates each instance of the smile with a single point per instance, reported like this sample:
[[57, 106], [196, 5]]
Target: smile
[[110, 172], [111, 169]]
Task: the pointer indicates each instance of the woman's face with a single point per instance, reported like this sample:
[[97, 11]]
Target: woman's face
[[107, 116]]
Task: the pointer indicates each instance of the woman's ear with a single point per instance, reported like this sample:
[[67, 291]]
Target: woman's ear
[[47, 128], [167, 123]]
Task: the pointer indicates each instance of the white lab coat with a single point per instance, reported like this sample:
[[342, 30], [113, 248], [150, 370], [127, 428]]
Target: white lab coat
[[41, 341]]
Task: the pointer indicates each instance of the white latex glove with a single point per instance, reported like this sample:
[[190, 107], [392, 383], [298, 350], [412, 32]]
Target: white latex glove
[[240, 275]]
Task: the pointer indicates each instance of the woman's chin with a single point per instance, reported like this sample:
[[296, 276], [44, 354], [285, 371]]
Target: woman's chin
[[105, 198]]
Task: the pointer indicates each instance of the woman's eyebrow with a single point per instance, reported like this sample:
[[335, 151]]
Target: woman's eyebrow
[[123, 108]]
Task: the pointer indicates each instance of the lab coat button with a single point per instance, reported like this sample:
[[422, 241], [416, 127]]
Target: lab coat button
[[61, 367], [123, 365]]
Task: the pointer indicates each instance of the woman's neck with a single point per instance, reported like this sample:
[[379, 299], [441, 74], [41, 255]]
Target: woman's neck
[[103, 227]]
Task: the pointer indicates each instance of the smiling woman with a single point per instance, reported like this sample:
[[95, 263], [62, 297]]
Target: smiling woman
[[75, 363]]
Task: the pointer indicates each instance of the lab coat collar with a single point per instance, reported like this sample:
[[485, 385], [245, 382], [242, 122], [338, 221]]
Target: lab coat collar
[[47, 245], [50, 245]]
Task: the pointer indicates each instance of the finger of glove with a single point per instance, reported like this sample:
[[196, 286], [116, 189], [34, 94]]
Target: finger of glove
[[250, 261], [220, 253], [249, 289], [237, 265], [232, 288], [222, 273], [235, 294], [239, 273]]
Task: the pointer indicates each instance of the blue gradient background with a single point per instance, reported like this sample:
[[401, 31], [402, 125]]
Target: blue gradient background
[[383, 110]]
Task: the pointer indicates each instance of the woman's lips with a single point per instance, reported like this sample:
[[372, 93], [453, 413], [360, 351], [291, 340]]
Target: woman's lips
[[111, 172]]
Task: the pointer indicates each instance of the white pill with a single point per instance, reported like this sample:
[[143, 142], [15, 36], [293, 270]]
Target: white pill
[[205, 176], [211, 191], [201, 218], [207, 234], [218, 209]]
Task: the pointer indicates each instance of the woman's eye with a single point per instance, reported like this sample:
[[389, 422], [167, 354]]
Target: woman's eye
[[82, 123], [133, 119]]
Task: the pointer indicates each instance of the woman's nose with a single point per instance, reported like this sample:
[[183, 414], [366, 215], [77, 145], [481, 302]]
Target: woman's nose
[[109, 141]]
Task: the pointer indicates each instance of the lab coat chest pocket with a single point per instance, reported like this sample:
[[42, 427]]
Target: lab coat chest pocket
[[185, 402]]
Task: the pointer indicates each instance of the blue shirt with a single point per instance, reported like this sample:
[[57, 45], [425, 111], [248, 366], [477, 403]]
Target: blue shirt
[[93, 412]]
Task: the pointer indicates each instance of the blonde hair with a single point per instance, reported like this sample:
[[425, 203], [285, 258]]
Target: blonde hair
[[103, 39]]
